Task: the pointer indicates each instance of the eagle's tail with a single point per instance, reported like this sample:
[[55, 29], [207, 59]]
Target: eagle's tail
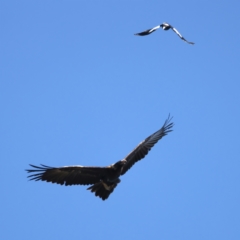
[[102, 190]]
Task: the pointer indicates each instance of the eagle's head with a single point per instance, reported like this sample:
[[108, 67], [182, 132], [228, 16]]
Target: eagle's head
[[119, 164]]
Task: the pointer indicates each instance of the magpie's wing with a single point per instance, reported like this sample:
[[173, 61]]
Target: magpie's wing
[[69, 175], [147, 32], [178, 33], [145, 146]]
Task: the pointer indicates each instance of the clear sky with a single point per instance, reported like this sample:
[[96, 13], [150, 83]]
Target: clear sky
[[77, 87]]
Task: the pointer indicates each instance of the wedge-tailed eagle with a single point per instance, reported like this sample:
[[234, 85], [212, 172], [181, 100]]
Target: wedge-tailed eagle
[[104, 179]]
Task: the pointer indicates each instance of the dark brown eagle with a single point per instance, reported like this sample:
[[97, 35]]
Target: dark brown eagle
[[164, 26], [104, 179]]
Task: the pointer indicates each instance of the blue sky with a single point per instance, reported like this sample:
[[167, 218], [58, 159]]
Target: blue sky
[[77, 87]]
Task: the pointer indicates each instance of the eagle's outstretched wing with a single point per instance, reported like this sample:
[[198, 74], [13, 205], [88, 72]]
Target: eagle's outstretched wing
[[69, 175], [145, 146]]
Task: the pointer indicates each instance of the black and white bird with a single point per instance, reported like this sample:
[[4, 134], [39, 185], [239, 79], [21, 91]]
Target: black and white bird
[[104, 179], [164, 26]]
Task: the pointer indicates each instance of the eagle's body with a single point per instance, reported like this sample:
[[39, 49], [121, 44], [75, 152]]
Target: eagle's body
[[104, 179], [164, 26]]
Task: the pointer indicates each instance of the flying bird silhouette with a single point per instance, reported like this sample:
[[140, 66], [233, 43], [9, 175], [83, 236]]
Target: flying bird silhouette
[[104, 179], [164, 26]]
